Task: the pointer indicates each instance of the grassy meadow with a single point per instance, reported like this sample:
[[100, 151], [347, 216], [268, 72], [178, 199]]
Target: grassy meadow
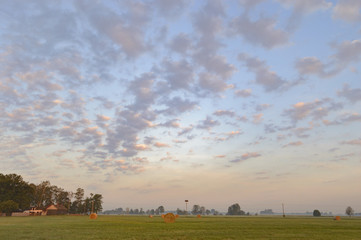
[[190, 227]]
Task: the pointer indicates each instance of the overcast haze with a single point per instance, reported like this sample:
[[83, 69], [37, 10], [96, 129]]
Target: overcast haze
[[153, 102]]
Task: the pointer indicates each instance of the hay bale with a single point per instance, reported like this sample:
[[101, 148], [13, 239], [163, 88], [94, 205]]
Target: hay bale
[[93, 216], [162, 215], [199, 216], [169, 218], [151, 216], [337, 218], [176, 216]]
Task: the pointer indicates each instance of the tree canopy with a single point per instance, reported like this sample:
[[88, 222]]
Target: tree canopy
[[13, 187]]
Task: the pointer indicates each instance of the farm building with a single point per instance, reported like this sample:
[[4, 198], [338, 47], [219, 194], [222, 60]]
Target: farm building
[[34, 212], [56, 210]]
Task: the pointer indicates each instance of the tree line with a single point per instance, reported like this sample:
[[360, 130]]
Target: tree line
[[136, 211], [18, 195], [234, 209], [349, 211]]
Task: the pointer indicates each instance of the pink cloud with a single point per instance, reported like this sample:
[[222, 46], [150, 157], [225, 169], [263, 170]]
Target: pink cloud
[[246, 156], [161, 145], [293, 144], [353, 142]]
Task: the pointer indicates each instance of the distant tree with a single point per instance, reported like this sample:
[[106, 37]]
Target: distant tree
[[235, 209], [115, 211], [8, 207], [161, 209], [208, 212], [181, 212], [196, 210], [202, 210], [349, 211], [316, 213], [214, 212]]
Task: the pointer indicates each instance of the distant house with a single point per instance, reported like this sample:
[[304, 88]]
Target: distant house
[[266, 212], [56, 210]]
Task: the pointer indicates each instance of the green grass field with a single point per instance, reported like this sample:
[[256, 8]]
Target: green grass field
[[143, 227]]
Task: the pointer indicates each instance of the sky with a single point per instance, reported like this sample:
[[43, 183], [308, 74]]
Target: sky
[[154, 102]]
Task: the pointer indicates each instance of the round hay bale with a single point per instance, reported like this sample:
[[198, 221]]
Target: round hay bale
[[337, 218], [150, 216], [169, 218], [93, 216], [162, 215], [176, 216], [199, 216]]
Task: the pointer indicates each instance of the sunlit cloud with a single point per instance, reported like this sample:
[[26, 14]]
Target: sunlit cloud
[[161, 145]]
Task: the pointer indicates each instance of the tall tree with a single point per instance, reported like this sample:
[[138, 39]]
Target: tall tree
[[62, 197], [98, 201], [44, 194], [13, 187], [87, 206], [78, 204]]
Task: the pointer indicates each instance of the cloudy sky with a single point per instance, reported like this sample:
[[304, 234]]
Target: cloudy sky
[[153, 102]]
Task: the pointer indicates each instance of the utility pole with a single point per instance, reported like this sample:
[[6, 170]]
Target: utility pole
[[283, 210], [186, 201]]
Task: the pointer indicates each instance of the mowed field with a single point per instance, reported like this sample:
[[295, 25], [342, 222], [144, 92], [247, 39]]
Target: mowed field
[[190, 227]]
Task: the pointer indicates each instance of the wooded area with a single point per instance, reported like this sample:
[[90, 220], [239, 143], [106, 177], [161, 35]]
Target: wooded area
[[16, 195]]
